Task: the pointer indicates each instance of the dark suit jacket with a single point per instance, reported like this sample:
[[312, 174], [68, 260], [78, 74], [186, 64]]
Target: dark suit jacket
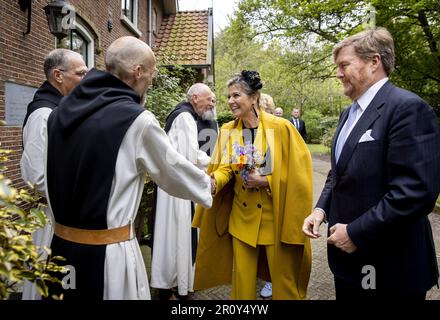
[[384, 190], [302, 128]]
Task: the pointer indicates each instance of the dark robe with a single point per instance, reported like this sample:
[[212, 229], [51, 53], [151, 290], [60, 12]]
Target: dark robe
[[47, 96], [206, 139], [84, 136]]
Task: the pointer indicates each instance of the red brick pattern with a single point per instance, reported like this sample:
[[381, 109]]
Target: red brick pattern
[[21, 57], [183, 39]]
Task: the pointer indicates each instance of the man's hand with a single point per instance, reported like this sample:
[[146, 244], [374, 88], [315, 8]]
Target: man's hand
[[213, 183], [312, 223], [340, 239]]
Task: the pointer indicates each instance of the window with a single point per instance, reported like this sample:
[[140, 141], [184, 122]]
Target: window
[[80, 40], [128, 9], [129, 15]]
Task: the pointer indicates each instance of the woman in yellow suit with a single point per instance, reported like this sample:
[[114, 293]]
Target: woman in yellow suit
[[262, 181]]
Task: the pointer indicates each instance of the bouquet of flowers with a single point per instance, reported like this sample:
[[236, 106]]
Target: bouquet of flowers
[[247, 158]]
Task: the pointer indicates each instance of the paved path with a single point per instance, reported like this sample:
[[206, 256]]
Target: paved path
[[321, 285]]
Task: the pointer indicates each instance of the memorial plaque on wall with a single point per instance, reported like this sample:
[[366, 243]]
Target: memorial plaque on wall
[[17, 97]]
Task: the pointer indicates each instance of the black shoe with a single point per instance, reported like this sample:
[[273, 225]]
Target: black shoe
[[165, 294]]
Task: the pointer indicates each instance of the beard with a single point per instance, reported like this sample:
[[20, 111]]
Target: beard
[[209, 115]]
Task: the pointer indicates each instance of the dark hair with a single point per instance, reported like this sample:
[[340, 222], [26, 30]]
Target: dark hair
[[249, 80]]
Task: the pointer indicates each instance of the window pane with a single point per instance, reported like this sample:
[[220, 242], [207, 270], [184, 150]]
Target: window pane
[[75, 42], [128, 9]]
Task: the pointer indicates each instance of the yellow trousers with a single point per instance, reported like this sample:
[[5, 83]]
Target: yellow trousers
[[244, 273]]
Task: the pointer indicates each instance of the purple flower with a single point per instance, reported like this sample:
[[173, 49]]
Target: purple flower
[[247, 158]]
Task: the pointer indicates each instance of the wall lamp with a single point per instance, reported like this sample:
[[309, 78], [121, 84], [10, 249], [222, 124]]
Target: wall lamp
[[55, 16]]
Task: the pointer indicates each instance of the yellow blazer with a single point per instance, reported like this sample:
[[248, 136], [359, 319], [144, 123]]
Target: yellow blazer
[[291, 185], [248, 203]]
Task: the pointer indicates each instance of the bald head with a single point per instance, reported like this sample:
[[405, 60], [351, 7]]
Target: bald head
[[132, 61], [127, 52]]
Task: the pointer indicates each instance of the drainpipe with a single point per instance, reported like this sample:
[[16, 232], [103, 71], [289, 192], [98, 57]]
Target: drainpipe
[[210, 53], [150, 23]]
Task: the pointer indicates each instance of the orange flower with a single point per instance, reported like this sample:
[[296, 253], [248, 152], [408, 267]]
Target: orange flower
[[241, 161]]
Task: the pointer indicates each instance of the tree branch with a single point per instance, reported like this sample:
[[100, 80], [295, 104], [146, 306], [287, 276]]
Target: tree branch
[[428, 33]]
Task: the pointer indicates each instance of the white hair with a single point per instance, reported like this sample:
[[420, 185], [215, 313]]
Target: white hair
[[197, 88]]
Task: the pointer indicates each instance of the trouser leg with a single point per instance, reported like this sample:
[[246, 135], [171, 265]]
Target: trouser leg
[[244, 272]]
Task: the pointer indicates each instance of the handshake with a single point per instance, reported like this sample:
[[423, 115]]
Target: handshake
[[213, 184]]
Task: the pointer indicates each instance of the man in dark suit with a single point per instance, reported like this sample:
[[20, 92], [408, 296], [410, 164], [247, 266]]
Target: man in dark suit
[[384, 180], [298, 123]]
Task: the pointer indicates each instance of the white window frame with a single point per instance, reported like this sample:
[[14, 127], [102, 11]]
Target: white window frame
[[91, 44], [132, 25]]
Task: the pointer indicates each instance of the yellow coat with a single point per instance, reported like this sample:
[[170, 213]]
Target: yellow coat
[[291, 185]]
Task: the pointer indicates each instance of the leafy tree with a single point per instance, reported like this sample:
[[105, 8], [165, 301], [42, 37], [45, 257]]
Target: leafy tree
[[414, 24], [288, 74]]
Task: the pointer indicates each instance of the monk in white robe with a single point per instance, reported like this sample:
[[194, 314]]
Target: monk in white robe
[[64, 69], [101, 145], [175, 242]]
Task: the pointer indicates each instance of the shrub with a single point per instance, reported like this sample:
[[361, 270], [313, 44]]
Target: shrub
[[224, 117], [169, 89], [328, 126], [19, 258], [313, 120], [327, 137], [165, 94]]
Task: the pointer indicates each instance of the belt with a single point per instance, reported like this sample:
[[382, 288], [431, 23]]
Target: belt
[[94, 237]]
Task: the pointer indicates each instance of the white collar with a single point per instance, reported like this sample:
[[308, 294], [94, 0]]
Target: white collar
[[368, 96]]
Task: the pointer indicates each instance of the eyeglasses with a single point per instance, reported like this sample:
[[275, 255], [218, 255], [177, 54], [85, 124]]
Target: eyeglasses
[[80, 73]]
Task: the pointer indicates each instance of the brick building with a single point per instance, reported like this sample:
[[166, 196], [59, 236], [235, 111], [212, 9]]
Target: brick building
[[97, 23]]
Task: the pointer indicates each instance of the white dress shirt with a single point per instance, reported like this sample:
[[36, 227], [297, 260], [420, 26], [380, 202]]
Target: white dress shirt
[[363, 101]]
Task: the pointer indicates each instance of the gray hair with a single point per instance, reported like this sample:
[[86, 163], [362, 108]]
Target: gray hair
[[57, 59], [368, 43], [197, 88]]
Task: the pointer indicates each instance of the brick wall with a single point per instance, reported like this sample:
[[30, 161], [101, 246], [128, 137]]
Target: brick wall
[[21, 57]]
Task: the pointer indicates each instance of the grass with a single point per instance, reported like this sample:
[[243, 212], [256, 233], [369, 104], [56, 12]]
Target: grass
[[316, 149]]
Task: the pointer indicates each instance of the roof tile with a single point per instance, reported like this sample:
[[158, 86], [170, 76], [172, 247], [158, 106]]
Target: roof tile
[[183, 38]]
